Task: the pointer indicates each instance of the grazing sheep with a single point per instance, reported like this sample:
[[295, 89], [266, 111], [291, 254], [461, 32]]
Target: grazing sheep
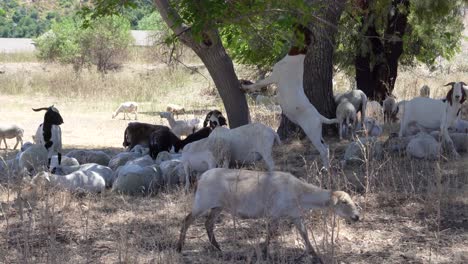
[[34, 159], [49, 133], [390, 109], [213, 119], [90, 156], [134, 179], [138, 133], [374, 110], [127, 108], [75, 181], [162, 140], [433, 114], [288, 73], [425, 91], [362, 149], [254, 194], [205, 154], [249, 142], [423, 146], [11, 131], [175, 109], [181, 127], [346, 115], [359, 100]]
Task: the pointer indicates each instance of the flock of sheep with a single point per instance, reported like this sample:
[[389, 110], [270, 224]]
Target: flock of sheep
[[158, 156]]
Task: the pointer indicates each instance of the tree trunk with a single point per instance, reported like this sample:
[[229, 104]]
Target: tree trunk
[[318, 68], [217, 61], [378, 81]]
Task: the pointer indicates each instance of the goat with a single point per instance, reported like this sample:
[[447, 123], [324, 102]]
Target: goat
[[181, 127], [433, 114], [359, 100], [425, 91], [138, 133], [390, 109], [11, 131], [213, 119], [162, 140], [346, 115], [200, 134], [254, 194], [176, 109], [288, 73], [127, 108], [49, 133]]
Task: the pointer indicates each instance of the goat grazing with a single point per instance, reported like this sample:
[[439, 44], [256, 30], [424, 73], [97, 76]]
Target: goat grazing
[[127, 108], [288, 73], [425, 91], [181, 127], [390, 109], [213, 119], [254, 194], [359, 100], [433, 114], [11, 131], [49, 133], [346, 115]]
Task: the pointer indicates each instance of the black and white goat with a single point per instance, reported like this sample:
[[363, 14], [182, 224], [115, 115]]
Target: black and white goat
[[49, 133], [214, 118]]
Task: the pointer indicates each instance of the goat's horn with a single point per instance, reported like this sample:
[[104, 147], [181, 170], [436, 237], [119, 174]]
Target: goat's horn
[[463, 83], [40, 109], [450, 83]]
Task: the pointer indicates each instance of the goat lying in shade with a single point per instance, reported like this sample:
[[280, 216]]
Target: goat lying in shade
[[255, 194]]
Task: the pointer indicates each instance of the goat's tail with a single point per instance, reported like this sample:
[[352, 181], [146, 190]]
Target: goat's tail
[[329, 121]]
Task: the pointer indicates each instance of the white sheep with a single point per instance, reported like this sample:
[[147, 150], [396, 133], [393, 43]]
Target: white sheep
[[425, 91], [122, 158], [255, 194], [134, 179], [90, 156], [176, 109], [288, 73], [461, 126], [141, 161], [127, 108], [389, 109], [11, 131], [359, 100], [373, 128], [90, 168], [140, 149], [362, 149], [250, 142], [75, 181], [423, 146], [172, 172], [181, 127], [433, 114], [460, 140], [205, 154], [34, 159], [346, 115]]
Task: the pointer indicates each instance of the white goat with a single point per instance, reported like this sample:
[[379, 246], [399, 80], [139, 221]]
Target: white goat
[[127, 108], [425, 91], [181, 127], [255, 194], [359, 100], [249, 142], [346, 115], [205, 154], [433, 114], [288, 73], [11, 131]]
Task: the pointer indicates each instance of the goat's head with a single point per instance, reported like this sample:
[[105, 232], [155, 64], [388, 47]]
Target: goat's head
[[457, 93], [214, 118], [52, 115], [165, 114], [344, 206], [425, 91]]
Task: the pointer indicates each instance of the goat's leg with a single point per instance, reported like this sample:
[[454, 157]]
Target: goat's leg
[[6, 146], [272, 227], [314, 133], [183, 231], [303, 232], [449, 142], [187, 175], [259, 84], [59, 157], [209, 226]]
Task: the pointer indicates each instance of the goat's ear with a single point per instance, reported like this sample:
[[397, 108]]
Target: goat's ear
[[463, 83], [222, 121], [207, 118], [449, 96], [39, 109], [464, 95]]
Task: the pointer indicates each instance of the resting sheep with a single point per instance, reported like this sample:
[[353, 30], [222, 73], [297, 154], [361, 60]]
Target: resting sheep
[[34, 159], [249, 142], [425, 91], [49, 133], [373, 128], [90, 156], [11, 131], [90, 168], [433, 114], [461, 126], [127, 108], [423, 146], [181, 127], [288, 73], [254, 194], [460, 140], [74, 181], [134, 179], [346, 115]]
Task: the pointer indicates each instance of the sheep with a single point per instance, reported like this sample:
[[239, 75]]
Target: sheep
[[425, 91], [181, 127], [74, 181], [346, 115], [33, 159], [397, 144], [362, 149], [137, 133], [390, 109], [250, 142], [423, 146], [134, 179], [200, 134], [288, 73], [176, 109], [49, 133], [172, 172], [26, 145], [460, 140], [66, 161], [213, 119], [254, 194], [372, 127], [162, 140], [141, 161], [127, 108], [461, 126], [359, 100], [90, 156], [122, 158], [90, 168], [434, 114], [140, 149], [374, 110], [11, 131], [205, 154]]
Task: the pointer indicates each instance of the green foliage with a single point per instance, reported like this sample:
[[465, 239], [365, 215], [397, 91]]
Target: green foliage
[[103, 44], [152, 21]]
